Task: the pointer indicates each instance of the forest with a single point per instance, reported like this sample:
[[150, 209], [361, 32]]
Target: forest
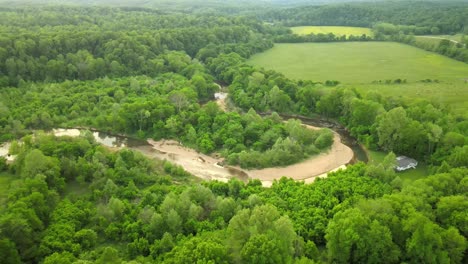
[[148, 72], [428, 16]]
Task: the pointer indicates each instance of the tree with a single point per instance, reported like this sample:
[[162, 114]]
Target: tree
[[325, 139], [261, 232], [59, 258], [110, 189], [390, 128], [173, 221], [179, 99], [87, 238], [453, 211], [109, 255], [200, 250], [261, 249], [35, 162], [435, 132], [353, 238], [116, 207], [427, 242], [278, 100], [8, 252], [330, 104]]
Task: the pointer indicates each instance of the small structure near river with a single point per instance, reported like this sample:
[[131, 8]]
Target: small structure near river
[[405, 163]]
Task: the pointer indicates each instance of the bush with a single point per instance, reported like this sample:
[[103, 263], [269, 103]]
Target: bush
[[325, 139], [3, 164]]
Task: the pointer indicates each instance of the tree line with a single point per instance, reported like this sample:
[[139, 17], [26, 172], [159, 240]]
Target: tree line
[[56, 44], [425, 17], [390, 32]]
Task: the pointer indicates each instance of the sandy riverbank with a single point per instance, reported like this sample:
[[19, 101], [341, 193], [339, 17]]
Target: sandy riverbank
[[206, 167], [198, 164]]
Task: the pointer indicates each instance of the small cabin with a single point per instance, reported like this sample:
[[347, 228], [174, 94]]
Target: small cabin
[[405, 163]]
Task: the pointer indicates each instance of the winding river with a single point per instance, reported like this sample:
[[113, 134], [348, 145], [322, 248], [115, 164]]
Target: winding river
[[345, 150]]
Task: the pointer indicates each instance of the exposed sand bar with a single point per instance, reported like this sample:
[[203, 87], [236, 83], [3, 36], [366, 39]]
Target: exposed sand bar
[[206, 167]]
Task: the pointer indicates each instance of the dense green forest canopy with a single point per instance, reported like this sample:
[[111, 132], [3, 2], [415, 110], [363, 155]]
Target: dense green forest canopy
[[149, 72], [443, 17], [58, 43]]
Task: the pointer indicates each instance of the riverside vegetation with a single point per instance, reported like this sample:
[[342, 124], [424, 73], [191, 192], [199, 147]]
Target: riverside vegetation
[[145, 73]]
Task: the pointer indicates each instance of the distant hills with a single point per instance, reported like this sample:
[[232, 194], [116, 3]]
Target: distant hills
[[196, 3]]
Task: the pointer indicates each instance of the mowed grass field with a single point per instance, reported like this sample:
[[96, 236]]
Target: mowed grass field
[[359, 62], [338, 31]]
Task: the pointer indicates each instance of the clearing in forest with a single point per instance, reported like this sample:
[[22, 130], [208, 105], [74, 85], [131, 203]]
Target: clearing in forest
[[338, 31], [359, 62]]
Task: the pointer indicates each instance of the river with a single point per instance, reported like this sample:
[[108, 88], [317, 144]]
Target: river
[[344, 151]]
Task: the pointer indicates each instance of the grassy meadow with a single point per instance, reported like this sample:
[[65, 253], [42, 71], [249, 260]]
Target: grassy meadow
[[360, 64], [339, 31], [457, 37], [452, 94], [434, 41]]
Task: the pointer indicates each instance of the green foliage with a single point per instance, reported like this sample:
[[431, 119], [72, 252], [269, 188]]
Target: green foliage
[[8, 252], [420, 17], [353, 237], [260, 235], [231, 222], [70, 43], [153, 111], [136, 210]]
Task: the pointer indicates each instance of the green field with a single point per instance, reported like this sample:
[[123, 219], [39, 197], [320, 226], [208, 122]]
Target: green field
[[338, 31], [434, 41], [455, 94], [359, 62], [457, 37]]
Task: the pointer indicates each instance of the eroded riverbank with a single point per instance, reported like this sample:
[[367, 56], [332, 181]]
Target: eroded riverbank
[[207, 167]]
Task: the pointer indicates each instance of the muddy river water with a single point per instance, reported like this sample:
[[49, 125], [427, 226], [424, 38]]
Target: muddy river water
[[345, 150]]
